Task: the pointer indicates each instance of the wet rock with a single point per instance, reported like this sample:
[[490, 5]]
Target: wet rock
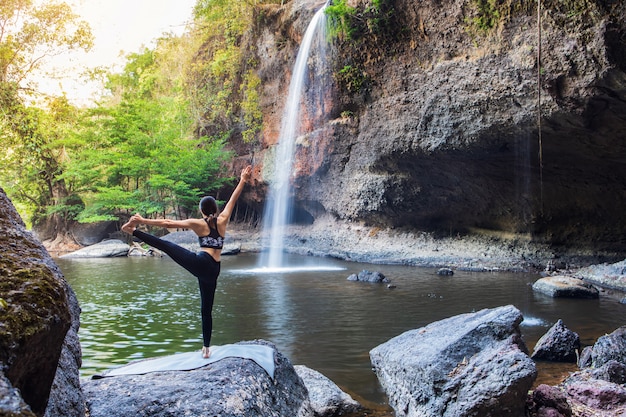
[[231, 387], [368, 276], [107, 249], [607, 347], [445, 271], [559, 344], [327, 399], [39, 319], [472, 364], [564, 286]]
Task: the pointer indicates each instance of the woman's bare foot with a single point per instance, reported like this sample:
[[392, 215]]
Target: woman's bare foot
[[205, 352], [129, 227]]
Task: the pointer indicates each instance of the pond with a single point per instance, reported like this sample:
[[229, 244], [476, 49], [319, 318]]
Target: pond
[[142, 307]]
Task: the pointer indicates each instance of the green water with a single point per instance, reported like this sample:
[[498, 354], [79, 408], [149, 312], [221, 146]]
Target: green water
[[134, 308]]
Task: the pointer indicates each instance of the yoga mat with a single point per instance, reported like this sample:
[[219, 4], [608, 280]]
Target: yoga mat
[[261, 354]]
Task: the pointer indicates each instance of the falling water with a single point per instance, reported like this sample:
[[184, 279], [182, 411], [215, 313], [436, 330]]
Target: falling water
[[278, 206]]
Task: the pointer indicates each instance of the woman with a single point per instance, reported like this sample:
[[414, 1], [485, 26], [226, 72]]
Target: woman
[[205, 264]]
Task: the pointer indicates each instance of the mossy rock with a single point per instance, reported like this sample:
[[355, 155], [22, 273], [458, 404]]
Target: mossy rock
[[34, 314]]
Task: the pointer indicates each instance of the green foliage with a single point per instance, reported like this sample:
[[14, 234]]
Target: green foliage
[[340, 17], [137, 151], [488, 14], [352, 78], [222, 85], [30, 165], [252, 115], [359, 32]]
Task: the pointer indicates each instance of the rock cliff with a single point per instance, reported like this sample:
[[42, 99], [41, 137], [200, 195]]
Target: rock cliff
[[438, 127]]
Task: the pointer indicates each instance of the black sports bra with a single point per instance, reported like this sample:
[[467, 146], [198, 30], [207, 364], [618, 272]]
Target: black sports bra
[[213, 240]]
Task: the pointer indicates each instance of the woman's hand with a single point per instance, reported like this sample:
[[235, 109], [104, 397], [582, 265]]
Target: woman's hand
[[246, 173], [136, 219]]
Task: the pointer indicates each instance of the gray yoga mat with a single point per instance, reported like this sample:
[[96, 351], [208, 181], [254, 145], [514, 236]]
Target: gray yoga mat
[[261, 354]]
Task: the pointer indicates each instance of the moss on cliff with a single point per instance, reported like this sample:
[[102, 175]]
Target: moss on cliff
[[31, 292]]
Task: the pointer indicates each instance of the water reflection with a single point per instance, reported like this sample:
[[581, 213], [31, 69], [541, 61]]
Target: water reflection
[[143, 307]]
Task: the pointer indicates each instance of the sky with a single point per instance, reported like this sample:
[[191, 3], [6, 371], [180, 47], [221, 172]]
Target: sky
[[119, 27]]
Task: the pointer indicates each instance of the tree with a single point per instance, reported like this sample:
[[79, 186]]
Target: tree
[[136, 151], [29, 34]]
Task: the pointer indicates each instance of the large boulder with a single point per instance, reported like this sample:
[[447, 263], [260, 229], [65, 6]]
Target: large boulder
[[231, 387], [474, 364], [566, 287], [38, 324]]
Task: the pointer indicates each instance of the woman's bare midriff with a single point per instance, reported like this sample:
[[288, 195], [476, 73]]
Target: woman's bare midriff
[[215, 253]]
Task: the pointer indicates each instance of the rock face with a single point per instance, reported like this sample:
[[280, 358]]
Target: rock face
[[442, 134], [38, 324], [231, 387], [559, 344], [563, 286], [474, 364]]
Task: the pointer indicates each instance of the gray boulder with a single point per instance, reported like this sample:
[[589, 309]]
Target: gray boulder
[[559, 344], [608, 347], [327, 399], [106, 249], [563, 286], [474, 364], [368, 276], [231, 387]]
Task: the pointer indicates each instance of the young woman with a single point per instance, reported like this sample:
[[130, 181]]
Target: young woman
[[205, 264]]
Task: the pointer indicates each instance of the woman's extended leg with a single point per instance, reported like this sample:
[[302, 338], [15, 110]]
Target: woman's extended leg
[[183, 257]]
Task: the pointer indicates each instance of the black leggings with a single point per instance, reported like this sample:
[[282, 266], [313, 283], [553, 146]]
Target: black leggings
[[199, 264]]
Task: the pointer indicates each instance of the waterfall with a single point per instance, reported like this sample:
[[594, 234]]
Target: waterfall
[[278, 206]]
